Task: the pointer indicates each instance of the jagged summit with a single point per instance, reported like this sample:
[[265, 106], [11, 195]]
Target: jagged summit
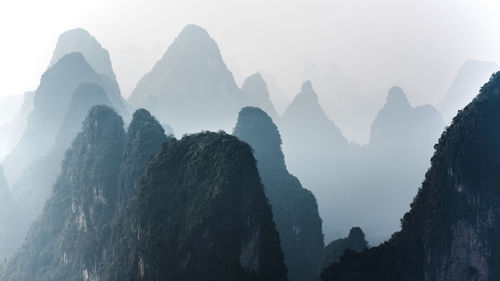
[[190, 87], [80, 40]]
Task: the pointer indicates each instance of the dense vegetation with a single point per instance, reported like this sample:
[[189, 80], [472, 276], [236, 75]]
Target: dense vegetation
[[453, 224], [295, 210], [199, 211]]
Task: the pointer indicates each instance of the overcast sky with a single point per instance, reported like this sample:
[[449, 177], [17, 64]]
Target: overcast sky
[[418, 45]]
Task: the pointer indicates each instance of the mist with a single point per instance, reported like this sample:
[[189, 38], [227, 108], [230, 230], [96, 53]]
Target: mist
[[252, 140]]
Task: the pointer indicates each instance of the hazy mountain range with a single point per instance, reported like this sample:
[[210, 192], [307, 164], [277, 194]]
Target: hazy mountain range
[[94, 192]]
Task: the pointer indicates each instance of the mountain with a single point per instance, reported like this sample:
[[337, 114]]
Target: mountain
[[466, 84], [294, 208], [453, 226], [34, 186], [11, 132], [393, 164], [51, 102], [355, 241], [190, 87], [315, 150], [257, 94], [8, 213], [175, 224], [342, 95], [79, 40]]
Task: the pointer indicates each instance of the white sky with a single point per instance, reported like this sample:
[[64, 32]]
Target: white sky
[[418, 45]]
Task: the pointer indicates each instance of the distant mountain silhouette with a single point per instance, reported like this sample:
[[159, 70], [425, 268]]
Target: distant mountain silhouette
[[465, 86], [295, 211], [355, 241], [35, 185], [174, 224], [350, 181], [190, 87], [453, 226], [79, 40], [51, 102], [255, 89], [314, 148]]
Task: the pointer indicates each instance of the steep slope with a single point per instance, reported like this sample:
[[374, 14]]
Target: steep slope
[[204, 214], [355, 241], [255, 89], [8, 214], [64, 242], [51, 102], [199, 211], [453, 227], [295, 211], [190, 87], [34, 187], [315, 150], [466, 84]]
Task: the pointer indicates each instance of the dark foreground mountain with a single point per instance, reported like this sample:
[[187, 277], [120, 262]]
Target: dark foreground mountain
[[453, 228], [355, 241], [190, 87], [199, 211], [295, 211]]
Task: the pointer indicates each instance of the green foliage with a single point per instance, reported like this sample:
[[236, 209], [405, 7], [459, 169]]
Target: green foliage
[[198, 213]]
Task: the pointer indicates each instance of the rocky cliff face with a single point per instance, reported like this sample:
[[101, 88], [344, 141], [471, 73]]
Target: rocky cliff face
[[453, 226], [190, 87], [199, 211], [295, 211]]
